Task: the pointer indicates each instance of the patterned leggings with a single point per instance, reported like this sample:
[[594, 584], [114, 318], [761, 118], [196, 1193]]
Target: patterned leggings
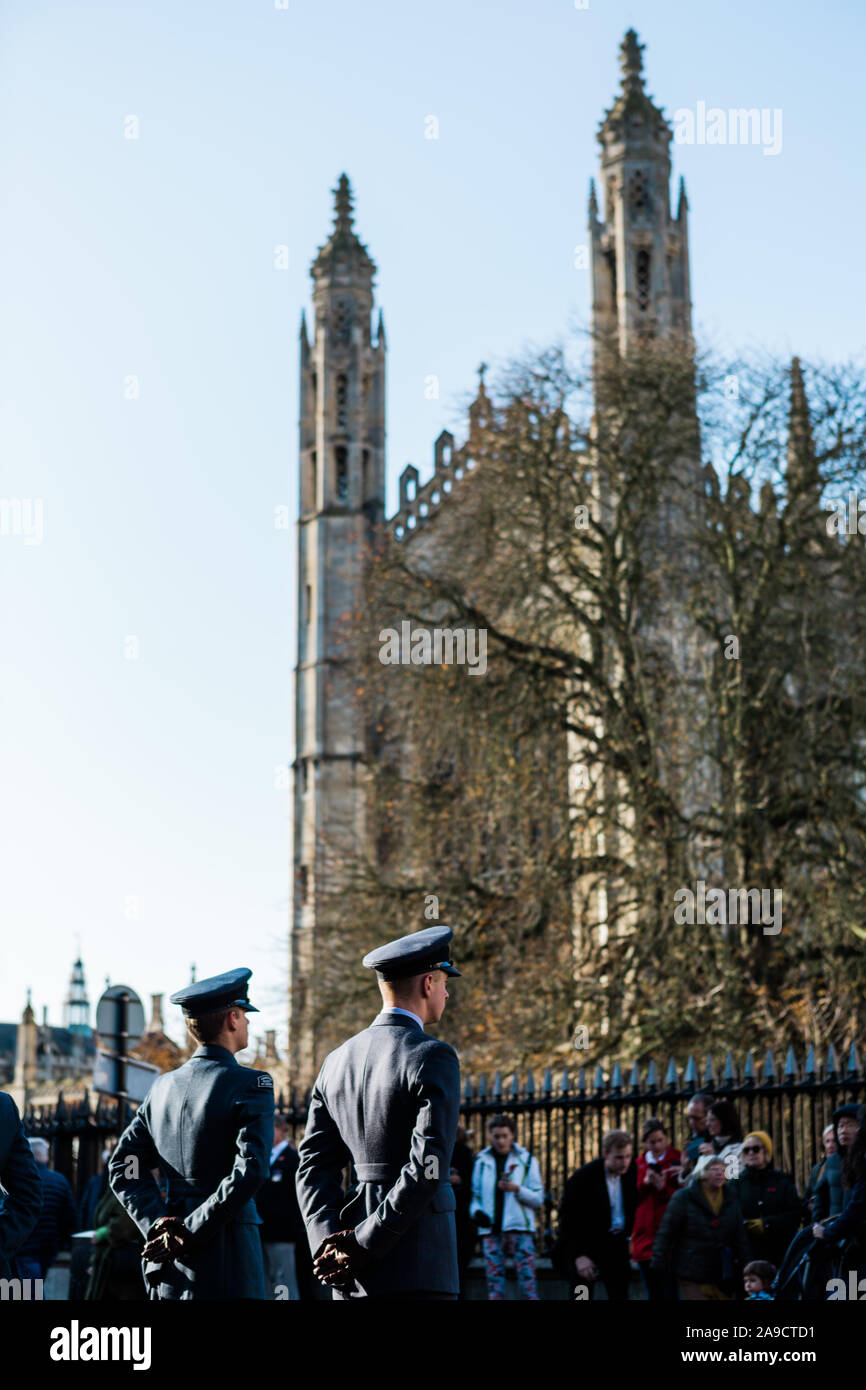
[[522, 1245]]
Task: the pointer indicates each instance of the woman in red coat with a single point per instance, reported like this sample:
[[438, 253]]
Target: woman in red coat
[[658, 1168]]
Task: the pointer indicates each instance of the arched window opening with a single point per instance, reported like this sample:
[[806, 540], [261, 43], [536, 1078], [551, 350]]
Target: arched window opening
[[342, 404], [638, 193], [643, 279], [343, 322], [342, 461]]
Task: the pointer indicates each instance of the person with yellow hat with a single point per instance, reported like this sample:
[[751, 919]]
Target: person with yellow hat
[[772, 1206]]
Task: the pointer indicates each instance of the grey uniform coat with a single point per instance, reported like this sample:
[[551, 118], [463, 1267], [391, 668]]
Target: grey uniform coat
[[20, 1181], [208, 1128], [388, 1102]]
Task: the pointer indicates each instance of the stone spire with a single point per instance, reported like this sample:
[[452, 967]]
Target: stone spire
[[633, 103], [344, 256], [639, 252], [631, 60], [479, 410], [76, 1006], [803, 475], [157, 1023], [26, 1056], [345, 216], [341, 505]]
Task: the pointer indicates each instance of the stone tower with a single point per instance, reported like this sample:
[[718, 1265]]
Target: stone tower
[[26, 1057], [342, 501], [639, 253], [639, 264], [76, 1006]]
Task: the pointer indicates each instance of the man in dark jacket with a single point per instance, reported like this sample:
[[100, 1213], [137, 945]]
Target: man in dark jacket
[[207, 1128], [57, 1219], [770, 1201], [596, 1218], [282, 1228], [702, 1239], [388, 1101], [21, 1186], [462, 1160], [696, 1115]]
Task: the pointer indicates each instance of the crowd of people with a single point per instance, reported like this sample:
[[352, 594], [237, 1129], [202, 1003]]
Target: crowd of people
[[714, 1221], [205, 1196], [711, 1221]]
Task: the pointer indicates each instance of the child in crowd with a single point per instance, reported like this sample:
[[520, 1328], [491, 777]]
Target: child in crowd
[[757, 1278]]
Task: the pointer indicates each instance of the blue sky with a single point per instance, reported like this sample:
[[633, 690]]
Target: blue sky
[[148, 786]]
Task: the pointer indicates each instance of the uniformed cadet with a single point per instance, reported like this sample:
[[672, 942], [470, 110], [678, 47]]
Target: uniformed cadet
[[388, 1101], [20, 1184], [207, 1127]]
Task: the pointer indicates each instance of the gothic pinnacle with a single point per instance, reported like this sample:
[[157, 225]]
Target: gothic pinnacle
[[631, 58], [802, 467], [800, 425], [343, 246], [343, 215], [798, 389], [593, 200]]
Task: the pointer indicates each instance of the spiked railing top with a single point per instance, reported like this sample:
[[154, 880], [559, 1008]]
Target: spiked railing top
[[606, 1081]]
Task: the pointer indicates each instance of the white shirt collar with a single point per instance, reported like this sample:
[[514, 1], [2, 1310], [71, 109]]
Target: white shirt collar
[[394, 1009]]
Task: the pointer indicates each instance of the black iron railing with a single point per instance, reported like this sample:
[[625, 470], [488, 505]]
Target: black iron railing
[[562, 1123]]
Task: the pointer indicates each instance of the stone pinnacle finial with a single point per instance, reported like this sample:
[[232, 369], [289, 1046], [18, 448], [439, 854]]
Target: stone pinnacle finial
[[799, 406], [802, 465], [631, 58], [344, 215], [482, 368]]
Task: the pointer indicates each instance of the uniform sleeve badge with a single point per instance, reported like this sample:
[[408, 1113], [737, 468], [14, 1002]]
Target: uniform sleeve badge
[[264, 1081]]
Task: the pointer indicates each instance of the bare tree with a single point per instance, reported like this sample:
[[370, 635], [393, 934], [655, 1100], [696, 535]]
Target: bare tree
[[610, 539]]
